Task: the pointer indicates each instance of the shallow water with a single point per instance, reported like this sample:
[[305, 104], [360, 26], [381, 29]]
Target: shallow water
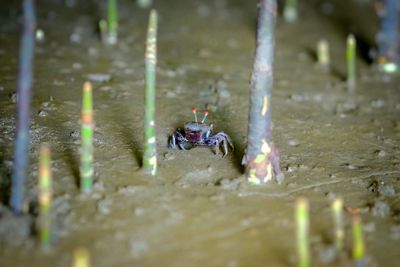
[[199, 210]]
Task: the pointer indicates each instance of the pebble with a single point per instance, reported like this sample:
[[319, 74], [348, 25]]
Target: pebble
[[45, 104], [75, 37], [13, 97], [75, 134], [291, 168], [293, 142], [380, 153], [99, 77], [351, 166], [39, 35], [42, 113]]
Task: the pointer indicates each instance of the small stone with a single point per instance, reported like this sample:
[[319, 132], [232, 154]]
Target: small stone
[[39, 35], [293, 142], [291, 168], [42, 113], [13, 97], [75, 134], [45, 104], [351, 166], [380, 153], [75, 37], [99, 77]]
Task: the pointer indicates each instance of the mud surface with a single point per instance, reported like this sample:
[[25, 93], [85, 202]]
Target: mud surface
[[199, 210]]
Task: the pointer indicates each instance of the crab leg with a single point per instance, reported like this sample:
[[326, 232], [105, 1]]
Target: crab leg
[[224, 142]]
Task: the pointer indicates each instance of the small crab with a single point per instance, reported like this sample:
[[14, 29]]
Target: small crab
[[199, 134]]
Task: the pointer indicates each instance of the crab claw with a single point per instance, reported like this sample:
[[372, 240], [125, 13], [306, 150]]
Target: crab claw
[[178, 141]]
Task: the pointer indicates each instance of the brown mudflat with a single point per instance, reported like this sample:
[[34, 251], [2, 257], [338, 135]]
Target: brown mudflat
[[199, 210]]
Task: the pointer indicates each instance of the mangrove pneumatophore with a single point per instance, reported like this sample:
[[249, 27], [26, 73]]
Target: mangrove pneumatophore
[[261, 159], [24, 90], [150, 151]]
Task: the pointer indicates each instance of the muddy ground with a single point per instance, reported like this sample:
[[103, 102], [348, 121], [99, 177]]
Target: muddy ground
[[199, 210]]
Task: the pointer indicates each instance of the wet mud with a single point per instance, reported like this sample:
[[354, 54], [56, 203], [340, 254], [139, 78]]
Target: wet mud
[[199, 210]]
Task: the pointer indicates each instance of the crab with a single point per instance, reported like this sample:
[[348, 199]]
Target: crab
[[197, 133]]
